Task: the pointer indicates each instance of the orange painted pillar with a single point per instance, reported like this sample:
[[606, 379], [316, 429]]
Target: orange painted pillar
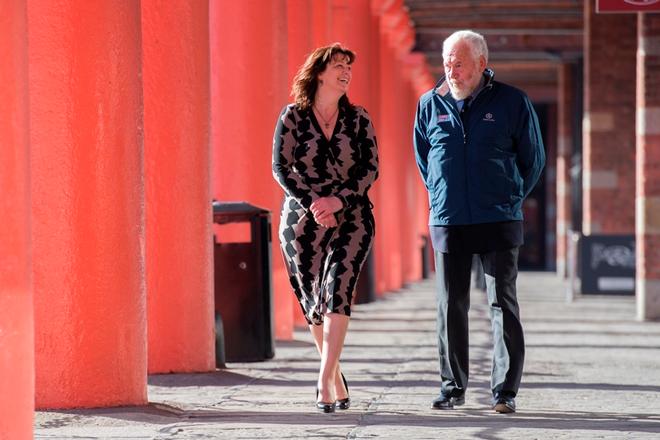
[[377, 197], [322, 23], [16, 313], [248, 90], [342, 22], [399, 151], [87, 203], [299, 46], [412, 270], [413, 266], [299, 36], [421, 82], [399, 40], [179, 249], [352, 27], [389, 213], [388, 223], [393, 147], [354, 24]]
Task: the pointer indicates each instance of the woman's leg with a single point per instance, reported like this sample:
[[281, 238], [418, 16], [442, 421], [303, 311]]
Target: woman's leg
[[317, 334], [347, 252], [334, 332]]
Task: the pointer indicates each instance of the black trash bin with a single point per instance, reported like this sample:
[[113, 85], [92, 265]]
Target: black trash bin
[[243, 285]]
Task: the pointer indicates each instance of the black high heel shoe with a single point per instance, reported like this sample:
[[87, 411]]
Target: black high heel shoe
[[323, 406], [344, 403]]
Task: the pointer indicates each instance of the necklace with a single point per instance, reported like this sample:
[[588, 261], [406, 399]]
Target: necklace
[[326, 122]]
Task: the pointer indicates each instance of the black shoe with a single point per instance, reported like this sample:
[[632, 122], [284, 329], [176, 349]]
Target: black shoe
[[344, 403], [323, 406], [504, 403], [446, 402], [326, 407]]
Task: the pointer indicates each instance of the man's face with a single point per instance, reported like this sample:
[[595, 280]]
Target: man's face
[[463, 70]]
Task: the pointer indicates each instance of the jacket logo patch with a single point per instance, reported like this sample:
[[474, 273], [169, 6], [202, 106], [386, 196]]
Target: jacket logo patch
[[488, 117], [443, 118]]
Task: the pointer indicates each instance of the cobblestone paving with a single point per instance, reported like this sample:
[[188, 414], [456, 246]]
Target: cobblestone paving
[[591, 372]]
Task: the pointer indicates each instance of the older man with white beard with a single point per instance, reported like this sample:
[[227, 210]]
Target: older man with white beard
[[479, 150]]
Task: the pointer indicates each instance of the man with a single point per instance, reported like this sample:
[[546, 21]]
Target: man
[[479, 150]]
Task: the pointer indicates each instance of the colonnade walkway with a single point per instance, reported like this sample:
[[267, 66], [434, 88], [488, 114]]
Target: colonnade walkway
[[591, 371]]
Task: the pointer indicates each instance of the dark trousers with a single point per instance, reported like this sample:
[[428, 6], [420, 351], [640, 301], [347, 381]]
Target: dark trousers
[[453, 291]]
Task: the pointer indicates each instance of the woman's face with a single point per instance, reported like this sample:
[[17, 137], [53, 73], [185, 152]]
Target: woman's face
[[337, 74]]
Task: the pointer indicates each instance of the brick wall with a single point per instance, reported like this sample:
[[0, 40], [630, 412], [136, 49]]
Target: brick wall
[[610, 47]]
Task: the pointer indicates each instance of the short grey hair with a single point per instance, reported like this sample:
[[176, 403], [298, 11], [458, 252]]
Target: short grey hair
[[476, 41]]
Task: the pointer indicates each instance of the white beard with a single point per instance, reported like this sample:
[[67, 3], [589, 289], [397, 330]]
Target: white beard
[[465, 91], [459, 94]]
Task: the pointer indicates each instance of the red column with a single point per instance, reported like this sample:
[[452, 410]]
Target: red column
[[609, 122], [352, 27], [396, 41], [410, 240], [179, 253], [321, 23], [248, 90], [379, 247], [299, 36], [16, 313], [422, 82], [299, 46], [565, 139], [87, 199], [357, 27], [374, 70], [648, 167], [388, 214], [417, 211]]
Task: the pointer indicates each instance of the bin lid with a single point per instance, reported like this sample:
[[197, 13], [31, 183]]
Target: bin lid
[[234, 212]]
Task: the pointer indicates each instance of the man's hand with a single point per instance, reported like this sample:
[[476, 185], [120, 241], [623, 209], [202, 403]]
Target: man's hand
[[324, 208]]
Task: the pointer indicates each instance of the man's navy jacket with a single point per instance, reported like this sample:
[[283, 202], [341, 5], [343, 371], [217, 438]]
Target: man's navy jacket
[[480, 172]]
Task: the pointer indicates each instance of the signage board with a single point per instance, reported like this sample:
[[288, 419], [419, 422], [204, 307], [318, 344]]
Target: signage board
[[607, 264], [627, 6]]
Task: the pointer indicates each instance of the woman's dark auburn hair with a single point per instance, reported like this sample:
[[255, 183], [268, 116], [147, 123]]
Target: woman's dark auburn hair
[[306, 81]]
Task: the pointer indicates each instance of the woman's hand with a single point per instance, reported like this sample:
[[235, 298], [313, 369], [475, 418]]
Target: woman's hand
[[328, 221], [324, 209]]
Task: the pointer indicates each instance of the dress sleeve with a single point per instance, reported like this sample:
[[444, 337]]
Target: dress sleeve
[[284, 145], [364, 171]]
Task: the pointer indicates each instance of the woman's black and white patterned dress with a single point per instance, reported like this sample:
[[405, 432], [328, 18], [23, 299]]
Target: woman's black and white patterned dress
[[324, 263]]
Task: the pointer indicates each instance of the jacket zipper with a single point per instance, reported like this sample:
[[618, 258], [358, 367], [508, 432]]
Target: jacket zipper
[[465, 167]]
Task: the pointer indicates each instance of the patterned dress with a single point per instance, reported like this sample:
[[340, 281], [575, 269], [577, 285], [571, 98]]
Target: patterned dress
[[324, 263]]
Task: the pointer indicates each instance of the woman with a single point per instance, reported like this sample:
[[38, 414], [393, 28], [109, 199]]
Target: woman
[[325, 159]]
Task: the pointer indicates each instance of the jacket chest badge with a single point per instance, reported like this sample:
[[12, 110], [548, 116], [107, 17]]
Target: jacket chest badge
[[488, 117], [443, 118]]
